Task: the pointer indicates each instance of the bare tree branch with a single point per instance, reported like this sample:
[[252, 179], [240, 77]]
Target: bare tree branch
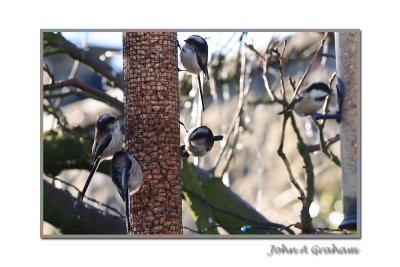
[[328, 99], [285, 119], [309, 67], [99, 95], [244, 88], [280, 57], [85, 56], [63, 211], [251, 47], [327, 55], [266, 61], [320, 126], [306, 200], [328, 143], [286, 161]]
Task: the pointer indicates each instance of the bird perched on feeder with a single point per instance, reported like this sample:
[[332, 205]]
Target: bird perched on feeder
[[127, 176], [194, 57], [108, 139], [309, 100], [198, 141]]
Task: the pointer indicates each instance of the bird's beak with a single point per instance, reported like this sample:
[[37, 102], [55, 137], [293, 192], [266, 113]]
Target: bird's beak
[[185, 41]]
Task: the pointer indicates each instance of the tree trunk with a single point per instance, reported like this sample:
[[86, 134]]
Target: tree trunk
[[348, 70], [60, 210], [152, 129]]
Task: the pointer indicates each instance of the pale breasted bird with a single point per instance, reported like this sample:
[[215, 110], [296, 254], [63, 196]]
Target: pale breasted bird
[[309, 100], [108, 140], [127, 176], [194, 57], [198, 141]]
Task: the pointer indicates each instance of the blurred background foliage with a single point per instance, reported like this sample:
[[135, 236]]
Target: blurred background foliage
[[254, 184]]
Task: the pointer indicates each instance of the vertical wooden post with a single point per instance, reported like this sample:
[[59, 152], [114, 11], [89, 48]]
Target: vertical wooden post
[[152, 129], [348, 73]]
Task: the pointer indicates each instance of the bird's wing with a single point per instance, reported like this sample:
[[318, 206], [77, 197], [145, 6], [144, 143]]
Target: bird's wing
[[199, 135], [101, 142], [128, 167], [117, 178], [202, 57], [184, 153], [297, 99]]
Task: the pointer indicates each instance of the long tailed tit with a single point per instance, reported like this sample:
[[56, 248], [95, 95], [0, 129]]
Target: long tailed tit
[[198, 141], [127, 176], [108, 139], [309, 100], [194, 56]]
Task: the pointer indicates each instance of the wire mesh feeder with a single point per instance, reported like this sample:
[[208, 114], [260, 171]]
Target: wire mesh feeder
[[152, 137]]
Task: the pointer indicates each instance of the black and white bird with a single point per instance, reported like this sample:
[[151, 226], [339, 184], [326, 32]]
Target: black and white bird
[[194, 57], [198, 141], [108, 140], [127, 176], [309, 100]]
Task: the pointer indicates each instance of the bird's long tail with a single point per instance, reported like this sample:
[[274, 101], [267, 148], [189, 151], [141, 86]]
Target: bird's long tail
[[206, 74], [94, 168], [218, 137], [200, 90], [128, 209]]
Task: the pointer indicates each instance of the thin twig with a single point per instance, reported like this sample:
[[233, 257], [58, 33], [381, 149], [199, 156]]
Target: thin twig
[[59, 116], [285, 118], [235, 136], [328, 143], [323, 146], [327, 55], [243, 92], [229, 154], [280, 58], [268, 56], [292, 83], [328, 99], [72, 73], [306, 220], [320, 126], [47, 69], [309, 67], [286, 161], [215, 55], [251, 47], [266, 61]]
